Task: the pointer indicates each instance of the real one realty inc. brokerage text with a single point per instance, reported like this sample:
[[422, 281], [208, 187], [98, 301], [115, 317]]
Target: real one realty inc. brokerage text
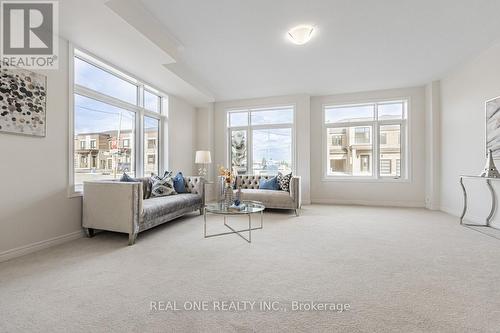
[[236, 306]]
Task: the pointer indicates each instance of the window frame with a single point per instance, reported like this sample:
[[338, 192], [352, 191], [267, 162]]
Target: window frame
[[249, 130], [139, 109], [405, 142]]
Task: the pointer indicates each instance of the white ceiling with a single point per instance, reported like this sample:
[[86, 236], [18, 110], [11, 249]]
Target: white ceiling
[[238, 48], [93, 26]]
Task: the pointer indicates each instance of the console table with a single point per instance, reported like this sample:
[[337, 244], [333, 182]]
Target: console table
[[493, 199]]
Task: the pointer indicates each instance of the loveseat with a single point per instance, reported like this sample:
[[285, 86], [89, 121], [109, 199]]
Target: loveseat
[[127, 207], [278, 199]]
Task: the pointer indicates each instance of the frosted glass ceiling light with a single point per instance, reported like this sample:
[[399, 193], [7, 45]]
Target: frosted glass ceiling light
[[301, 34]]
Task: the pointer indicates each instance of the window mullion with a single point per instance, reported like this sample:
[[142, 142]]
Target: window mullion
[[249, 144]]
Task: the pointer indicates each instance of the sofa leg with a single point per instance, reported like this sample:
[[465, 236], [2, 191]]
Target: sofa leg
[[297, 211], [89, 232], [131, 238]]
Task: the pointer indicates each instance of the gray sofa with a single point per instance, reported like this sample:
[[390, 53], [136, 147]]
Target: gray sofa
[[271, 199], [127, 206]]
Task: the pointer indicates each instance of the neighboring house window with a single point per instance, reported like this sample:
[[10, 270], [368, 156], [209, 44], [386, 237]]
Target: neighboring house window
[[366, 140], [151, 143], [113, 106], [260, 141], [383, 138], [362, 135], [385, 167]]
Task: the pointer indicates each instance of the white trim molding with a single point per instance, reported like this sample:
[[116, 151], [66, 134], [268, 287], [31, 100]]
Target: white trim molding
[[383, 203], [37, 246]]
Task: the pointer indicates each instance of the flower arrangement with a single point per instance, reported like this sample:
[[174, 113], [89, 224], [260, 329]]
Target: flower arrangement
[[229, 176]]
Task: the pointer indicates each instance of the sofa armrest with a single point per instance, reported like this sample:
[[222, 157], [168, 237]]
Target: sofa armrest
[[295, 191], [112, 205]]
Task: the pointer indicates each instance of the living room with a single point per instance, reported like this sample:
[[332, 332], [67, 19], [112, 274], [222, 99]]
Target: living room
[[208, 166]]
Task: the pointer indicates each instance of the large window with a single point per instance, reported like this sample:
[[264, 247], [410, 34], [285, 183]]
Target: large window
[[366, 141], [117, 123], [261, 140]]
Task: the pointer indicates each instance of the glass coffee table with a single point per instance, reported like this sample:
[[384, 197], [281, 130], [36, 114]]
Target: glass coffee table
[[218, 208]]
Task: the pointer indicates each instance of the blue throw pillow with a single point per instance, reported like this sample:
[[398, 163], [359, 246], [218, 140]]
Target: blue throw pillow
[[179, 183], [269, 184]]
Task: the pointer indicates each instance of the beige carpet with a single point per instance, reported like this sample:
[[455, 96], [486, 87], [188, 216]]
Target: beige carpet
[[400, 270]]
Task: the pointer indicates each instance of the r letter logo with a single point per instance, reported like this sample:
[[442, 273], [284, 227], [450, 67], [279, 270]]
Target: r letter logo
[[29, 38]]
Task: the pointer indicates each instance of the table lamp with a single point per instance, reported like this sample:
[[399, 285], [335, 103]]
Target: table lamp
[[203, 157]]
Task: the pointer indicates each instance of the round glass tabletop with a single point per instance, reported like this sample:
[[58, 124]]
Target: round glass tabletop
[[246, 207]]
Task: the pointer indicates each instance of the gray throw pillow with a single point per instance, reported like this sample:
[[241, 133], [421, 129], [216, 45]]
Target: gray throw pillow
[[146, 184], [162, 186], [284, 181]]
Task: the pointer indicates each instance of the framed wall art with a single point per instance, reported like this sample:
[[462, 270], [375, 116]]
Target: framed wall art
[[23, 96]]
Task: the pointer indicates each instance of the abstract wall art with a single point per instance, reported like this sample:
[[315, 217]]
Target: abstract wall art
[[22, 102]]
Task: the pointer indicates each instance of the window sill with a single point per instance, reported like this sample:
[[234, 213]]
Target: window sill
[[364, 180], [75, 194], [75, 191]]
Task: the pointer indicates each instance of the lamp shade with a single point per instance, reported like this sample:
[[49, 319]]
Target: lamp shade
[[203, 157]]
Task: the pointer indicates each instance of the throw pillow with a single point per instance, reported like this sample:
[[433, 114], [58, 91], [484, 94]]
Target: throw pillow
[[269, 184], [127, 178], [179, 185], [162, 186], [146, 184], [284, 181]]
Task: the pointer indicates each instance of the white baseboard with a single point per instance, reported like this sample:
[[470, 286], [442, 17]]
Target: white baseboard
[[468, 218], [33, 247], [413, 204]]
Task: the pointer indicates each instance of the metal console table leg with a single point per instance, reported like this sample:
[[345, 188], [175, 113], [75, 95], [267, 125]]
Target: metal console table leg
[[493, 201], [465, 200]]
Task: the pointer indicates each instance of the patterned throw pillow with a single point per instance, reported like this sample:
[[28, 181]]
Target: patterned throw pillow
[[284, 181], [163, 186]]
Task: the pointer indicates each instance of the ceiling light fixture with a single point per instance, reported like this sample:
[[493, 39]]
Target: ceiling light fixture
[[300, 34]]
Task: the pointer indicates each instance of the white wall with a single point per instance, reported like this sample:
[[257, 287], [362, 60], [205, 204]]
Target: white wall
[[35, 210], [409, 193], [205, 134], [302, 135], [34, 205], [181, 136], [463, 93], [432, 145]]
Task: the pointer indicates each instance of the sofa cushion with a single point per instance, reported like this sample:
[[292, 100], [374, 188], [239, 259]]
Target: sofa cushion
[[271, 199], [159, 206]]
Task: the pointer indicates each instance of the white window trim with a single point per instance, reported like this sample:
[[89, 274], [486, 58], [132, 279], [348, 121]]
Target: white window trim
[[139, 110], [250, 127], [406, 161]]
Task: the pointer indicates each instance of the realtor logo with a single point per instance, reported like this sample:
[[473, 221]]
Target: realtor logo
[[29, 34]]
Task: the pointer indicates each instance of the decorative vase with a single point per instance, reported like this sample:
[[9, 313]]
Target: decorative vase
[[237, 200], [228, 195], [490, 170]]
